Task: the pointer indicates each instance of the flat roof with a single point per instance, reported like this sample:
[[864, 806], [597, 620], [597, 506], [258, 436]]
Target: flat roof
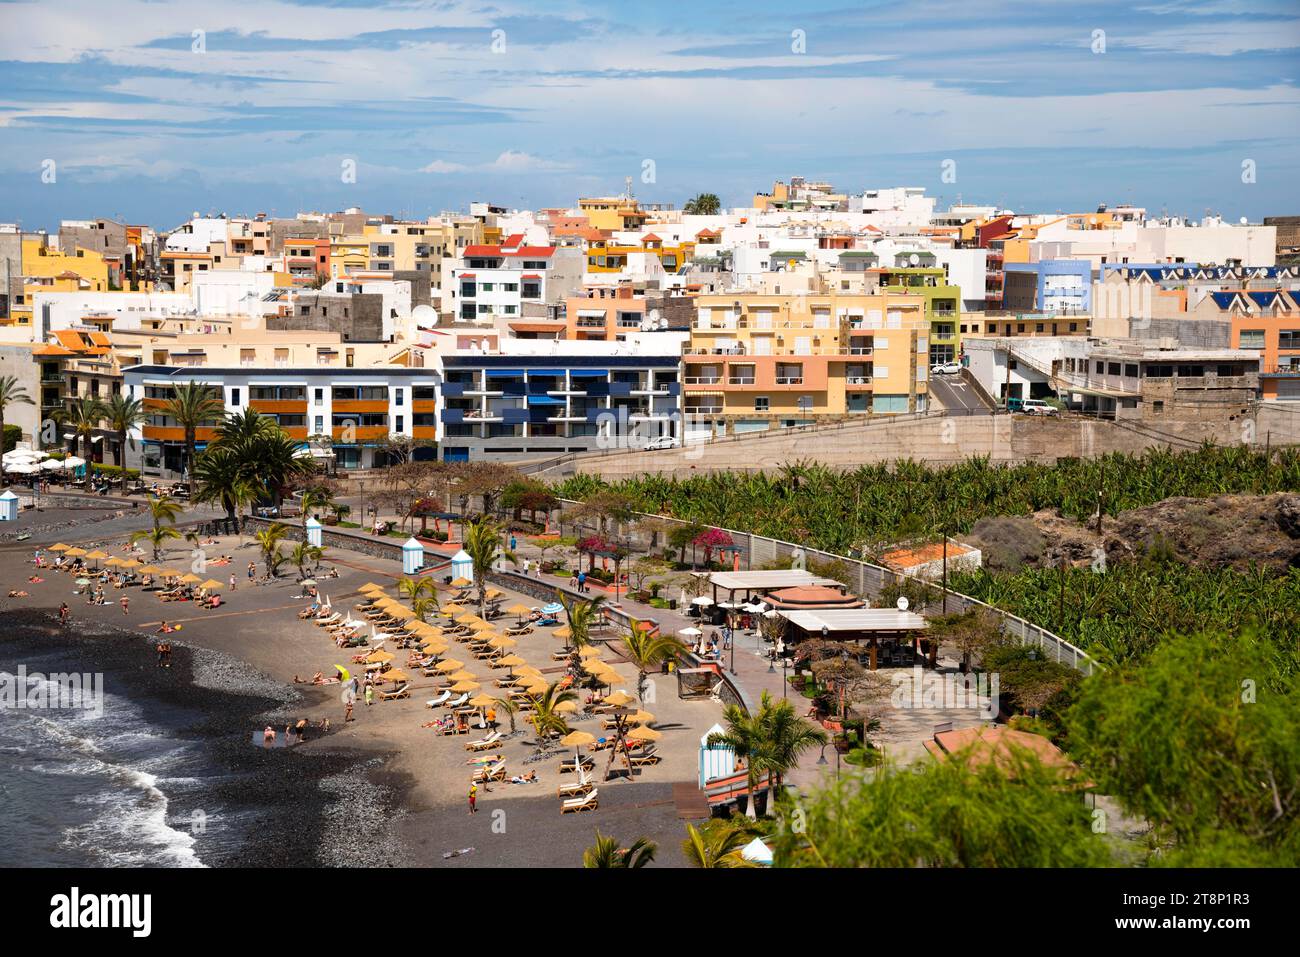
[[767, 580], [855, 619]]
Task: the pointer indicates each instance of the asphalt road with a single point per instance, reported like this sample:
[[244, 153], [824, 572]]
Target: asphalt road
[[953, 392]]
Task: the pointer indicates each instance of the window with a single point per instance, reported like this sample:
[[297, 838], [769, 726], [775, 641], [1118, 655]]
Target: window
[[319, 427], [1112, 368], [234, 396], [401, 421], [762, 403], [320, 396], [1252, 339], [399, 396], [1288, 339], [1130, 371]]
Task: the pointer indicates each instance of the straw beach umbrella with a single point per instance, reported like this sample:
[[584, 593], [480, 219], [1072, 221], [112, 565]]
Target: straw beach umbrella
[[644, 734], [578, 740]]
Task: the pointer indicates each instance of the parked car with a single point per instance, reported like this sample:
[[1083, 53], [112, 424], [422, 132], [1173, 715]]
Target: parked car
[[1038, 407], [662, 442], [946, 368]]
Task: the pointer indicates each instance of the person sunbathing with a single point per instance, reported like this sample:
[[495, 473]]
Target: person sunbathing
[[269, 734], [35, 580], [529, 778], [18, 593]]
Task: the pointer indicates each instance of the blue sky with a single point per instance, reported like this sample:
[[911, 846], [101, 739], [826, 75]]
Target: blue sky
[[1042, 106]]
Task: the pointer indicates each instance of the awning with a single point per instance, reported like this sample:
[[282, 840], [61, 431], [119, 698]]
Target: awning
[[505, 373], [588, 373], [546, 372], [544, 400]]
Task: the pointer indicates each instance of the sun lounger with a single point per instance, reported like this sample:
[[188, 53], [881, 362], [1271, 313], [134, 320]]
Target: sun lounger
[[457, 702], [588, 802], [403, 692], [519, 631], [587, 762], [438, 701], [485, 743], [644, 759], [496, 772], [581, 786]]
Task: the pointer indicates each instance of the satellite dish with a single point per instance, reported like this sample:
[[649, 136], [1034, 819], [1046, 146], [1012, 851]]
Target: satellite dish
[[914, 259], [902, 603]]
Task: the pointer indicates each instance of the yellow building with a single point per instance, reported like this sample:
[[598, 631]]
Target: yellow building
[[758, 360], [613, 212], [606, 256]]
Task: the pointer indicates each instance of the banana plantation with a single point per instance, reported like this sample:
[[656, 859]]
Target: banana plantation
[[1123, 613], [840, 511]]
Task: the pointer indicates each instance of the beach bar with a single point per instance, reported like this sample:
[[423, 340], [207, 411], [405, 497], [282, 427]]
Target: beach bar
[[881, 628]]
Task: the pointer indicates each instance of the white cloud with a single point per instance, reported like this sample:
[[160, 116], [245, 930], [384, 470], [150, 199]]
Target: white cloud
[[510, 161], [442, 166], [517, 161]]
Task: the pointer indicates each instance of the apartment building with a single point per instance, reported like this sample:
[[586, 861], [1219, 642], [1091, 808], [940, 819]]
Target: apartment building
[[607, 257], [352, 412], [942, 301], [491, 281], [755, 362], [613, 213], [612, 313], [535, 399], [1267, 322], [1118, 378]]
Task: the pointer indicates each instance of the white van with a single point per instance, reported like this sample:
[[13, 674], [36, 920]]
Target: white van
[[1038, 407]]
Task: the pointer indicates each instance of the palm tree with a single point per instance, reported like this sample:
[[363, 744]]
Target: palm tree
[[163, 508], [715, 844], [483, 545], [83, 417], [546, 719], [192, 404], [123, 414], [606, 853], [511, 707], [315, 498], [273, 562], [268, 540], [274, 456], [11, 393], [304, 552], [703, 204], [582, 615], [424, 606], [746, 735], [156, 536], [789, 736], [241, 428], [225, 479], [649, 650]]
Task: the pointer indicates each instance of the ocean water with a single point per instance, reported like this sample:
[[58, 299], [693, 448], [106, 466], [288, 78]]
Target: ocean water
[[118, 788]]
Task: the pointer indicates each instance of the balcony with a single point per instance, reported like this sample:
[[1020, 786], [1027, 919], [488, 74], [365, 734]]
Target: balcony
[[740, 380], [702, 379], [703, 409], [789, 380]]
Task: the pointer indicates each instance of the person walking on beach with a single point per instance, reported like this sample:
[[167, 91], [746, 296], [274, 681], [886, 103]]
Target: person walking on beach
[[64, 614], [252, 571], [473, 799], [125, 602], [525, 568], [233, 579], [370, 694]]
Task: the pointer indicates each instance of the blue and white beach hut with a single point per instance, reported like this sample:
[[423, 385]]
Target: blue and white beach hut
[[314, 533], [412, 556], [716, 760], [8, 506], [462, 566]]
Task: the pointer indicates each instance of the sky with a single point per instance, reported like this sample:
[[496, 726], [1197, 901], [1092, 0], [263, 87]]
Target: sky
[[151, 111]]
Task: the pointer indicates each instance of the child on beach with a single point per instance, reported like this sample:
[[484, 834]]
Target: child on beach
[[64, 616], [125, 602], [473, 799]]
